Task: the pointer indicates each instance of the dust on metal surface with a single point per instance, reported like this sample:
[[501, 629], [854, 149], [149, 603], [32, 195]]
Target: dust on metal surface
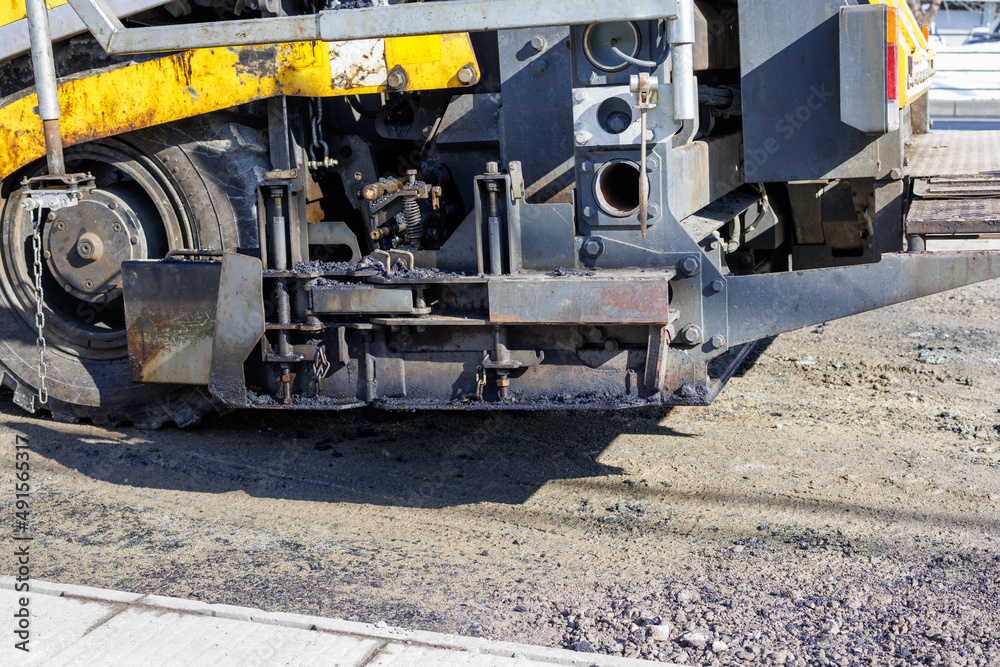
[[170, 320]]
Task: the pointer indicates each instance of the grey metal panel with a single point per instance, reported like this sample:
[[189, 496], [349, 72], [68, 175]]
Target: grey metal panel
[[334, 233], [536, 114], [791, 97], [170, 319], [361, 299], [63, 23], [765, 305], [863, 68], [634, 299], [239, 324]]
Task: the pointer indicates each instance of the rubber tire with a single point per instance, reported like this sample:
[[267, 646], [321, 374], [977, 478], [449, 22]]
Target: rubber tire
[[214, 165]]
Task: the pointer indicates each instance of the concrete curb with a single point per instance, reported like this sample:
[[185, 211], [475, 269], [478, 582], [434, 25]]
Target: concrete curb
[[389, 635], [964, 108]]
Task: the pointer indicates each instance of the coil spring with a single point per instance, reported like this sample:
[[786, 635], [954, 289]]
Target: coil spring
[[414, 221]]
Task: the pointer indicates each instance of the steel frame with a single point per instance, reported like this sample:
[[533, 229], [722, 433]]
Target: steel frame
[[365, 23]]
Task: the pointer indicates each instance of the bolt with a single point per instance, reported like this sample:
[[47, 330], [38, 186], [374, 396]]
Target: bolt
[[134, 240], [579, 96], [618, 123], [592, 247], [588, 211], [587, 166], [538, 43], [652, 164], [718, 285], [611, 345], [538, 66], [691, 334], [467, 75], [718, 342], [649, 135], [690, 266], [47, 254], [896, 173], [653, 211], [52, 216], [112, 205], [358, 176], [582, 137], [397, 80], [492, 168], [68, 288]]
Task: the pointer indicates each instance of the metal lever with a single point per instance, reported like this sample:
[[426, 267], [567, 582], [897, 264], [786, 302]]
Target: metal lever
[[644, 86]]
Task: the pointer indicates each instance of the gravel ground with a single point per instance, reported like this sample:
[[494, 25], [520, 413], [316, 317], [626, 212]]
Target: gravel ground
[[837, 505]]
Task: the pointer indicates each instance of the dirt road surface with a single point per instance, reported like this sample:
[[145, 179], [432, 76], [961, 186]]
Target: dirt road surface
[[838, 505]]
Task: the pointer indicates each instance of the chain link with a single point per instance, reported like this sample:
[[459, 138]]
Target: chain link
[[36, 241]]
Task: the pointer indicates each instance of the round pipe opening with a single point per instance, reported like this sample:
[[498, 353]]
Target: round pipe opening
[[616, 188], [599, 38]]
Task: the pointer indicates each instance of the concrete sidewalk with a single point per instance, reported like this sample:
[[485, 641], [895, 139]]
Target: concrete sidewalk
[[76, 625]]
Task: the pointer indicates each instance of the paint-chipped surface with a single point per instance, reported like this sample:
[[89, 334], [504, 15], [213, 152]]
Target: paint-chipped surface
[[358, 64]]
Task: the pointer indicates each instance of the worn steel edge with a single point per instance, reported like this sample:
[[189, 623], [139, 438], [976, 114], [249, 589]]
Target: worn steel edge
[[769, 304]]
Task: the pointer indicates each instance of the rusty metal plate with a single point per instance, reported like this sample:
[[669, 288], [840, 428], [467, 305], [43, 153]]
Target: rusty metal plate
[[170, 319], [954, 216], [637, 299], [240, 319], [347, 299]]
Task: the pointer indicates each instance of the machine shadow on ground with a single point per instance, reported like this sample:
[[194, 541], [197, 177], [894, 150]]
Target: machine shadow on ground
[[425, 460]]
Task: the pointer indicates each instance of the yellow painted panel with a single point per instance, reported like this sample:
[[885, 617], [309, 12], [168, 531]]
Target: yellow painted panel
[[204, 80], [13, 10], [413, 50]]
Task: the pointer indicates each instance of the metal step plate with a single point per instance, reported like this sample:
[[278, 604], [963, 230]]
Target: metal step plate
[[953, 152], [953, 216], [957, 187]]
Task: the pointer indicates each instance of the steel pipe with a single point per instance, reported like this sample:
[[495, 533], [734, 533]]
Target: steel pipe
[[44, 67], [680, 34]]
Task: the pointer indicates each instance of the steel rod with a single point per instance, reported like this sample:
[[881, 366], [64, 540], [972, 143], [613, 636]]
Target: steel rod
[[44, 67]]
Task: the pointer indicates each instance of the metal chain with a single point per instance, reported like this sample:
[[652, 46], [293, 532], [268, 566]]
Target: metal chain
[[321, 367], [36, 240]]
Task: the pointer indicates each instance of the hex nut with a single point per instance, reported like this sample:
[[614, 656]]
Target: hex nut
[[690, 334], [538, 66], [579, 95], [397, 80], [582, 137], [588, 211], [466, 75], [538, 43], [718, 342], [592, 247], [690, 266], [587, 166], [718, 285]]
